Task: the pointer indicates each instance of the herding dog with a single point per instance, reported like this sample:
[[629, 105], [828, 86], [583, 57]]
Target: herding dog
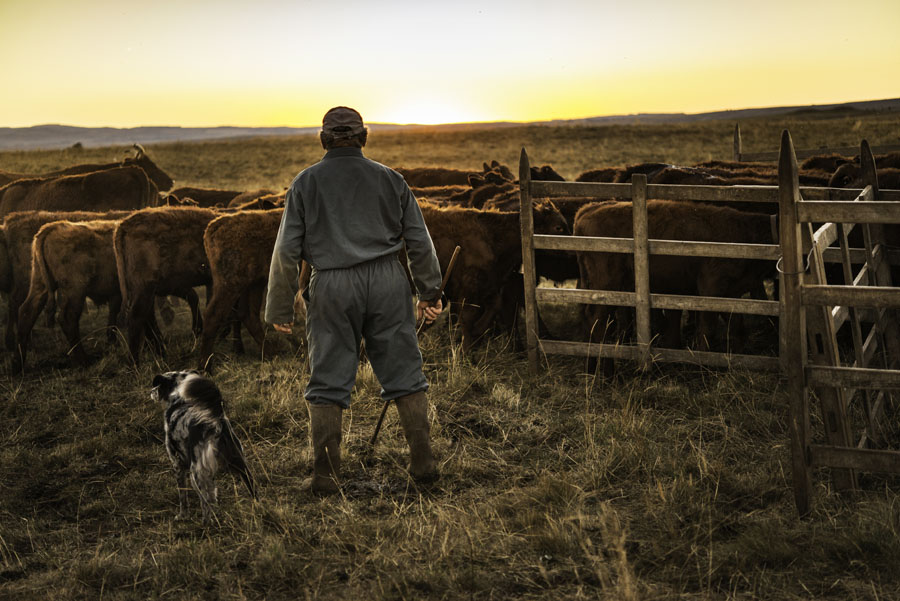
[[199, 437]]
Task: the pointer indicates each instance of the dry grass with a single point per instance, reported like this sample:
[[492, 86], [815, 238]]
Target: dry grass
[[671, 484]]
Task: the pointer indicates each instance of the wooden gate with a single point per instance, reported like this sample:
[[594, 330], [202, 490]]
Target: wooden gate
[[852, 398]]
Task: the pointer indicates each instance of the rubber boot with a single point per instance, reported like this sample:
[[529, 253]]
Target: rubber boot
[[325, 432], [413, 410]]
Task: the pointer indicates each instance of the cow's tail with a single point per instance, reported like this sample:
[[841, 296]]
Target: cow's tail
[[121, 268], [41, 277]]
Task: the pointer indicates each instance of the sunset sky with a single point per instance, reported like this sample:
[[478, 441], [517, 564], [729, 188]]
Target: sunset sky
[[278, 62]]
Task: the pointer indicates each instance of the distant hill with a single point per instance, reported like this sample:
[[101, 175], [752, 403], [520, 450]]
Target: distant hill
[[63, 136]]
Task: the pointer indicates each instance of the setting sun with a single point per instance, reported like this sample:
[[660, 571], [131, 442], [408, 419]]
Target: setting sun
[[424, 111]]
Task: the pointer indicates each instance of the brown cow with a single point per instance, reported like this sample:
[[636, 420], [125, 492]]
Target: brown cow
[[159, 252], [849, 175], [20, 229], [73, 261], [422, 177], [239, 248], [251, 195], [159, 177], [671, 220], [206, 197], [491, 254], [5, 267], [120, 188]]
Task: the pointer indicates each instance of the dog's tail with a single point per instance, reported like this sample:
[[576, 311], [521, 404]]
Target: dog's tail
[[233, 453]]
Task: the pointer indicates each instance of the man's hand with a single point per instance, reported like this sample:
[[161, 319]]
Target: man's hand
[[284, 328], [429, 310]]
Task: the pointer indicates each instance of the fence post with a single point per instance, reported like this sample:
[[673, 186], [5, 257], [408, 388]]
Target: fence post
[[641, 265], [737, 143], [792, 326], [526, 223]]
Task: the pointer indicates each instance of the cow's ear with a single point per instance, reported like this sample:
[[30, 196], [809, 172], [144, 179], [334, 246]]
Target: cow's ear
[[475, 180]]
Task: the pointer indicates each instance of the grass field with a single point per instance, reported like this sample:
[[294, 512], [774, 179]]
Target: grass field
[[669, 484]]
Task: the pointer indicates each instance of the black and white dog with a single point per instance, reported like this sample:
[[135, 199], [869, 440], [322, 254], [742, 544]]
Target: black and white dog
[[199, 438]]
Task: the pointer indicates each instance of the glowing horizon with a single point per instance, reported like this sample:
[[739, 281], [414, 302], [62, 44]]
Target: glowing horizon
[[284, 63]]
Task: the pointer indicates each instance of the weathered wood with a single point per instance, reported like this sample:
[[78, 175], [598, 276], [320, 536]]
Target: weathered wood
[[758, 194], [817, 193], [526, 222], [853, 377], [792, 340], [586, 297], [659, 301], [583, 243], [857, 459], [848, 211], [599, 190], [857, 296], [823, 350], [635, 353], [682, 248], [736, 151], [641, 228]]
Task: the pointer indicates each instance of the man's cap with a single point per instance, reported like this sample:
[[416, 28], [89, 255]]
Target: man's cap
[[342, 122]]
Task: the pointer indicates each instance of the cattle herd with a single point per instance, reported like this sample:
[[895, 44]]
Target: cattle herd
[[118, 234]]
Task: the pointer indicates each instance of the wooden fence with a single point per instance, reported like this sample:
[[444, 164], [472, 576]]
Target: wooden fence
[[809, 310], [740, 156]]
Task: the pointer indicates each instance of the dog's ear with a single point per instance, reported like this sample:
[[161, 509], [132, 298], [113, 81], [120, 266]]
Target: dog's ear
[[158, 381]]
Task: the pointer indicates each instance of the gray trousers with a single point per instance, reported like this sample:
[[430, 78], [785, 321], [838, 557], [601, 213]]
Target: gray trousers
[[370, 301]]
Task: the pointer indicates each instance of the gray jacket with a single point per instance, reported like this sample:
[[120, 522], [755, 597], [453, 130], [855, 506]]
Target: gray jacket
[[343, 211]]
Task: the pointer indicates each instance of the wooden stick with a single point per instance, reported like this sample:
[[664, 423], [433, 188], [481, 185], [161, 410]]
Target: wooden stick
[[439, 295]]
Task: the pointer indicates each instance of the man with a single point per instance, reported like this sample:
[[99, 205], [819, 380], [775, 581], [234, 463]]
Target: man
[[348, 217]]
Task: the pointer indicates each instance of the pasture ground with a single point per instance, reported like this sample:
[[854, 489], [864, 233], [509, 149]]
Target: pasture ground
[[670, 484]]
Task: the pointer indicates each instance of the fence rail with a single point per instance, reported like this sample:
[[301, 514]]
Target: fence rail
[[810, 311]]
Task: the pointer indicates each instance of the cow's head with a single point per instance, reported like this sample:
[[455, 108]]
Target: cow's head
[[156, 175]]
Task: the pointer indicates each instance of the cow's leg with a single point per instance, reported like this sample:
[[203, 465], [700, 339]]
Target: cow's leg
[[154, 335], [138, 313], [28, 314], [16, 298], [218, 313], [50, 310], [115, 305], [194, 302], [70, 309], [671, 334], [250, 317]]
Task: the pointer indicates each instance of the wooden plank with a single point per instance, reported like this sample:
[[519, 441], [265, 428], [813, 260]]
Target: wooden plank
[[823, 350], [853, 377], [736, 148], [792, 341], [759, 194], [684, 248], [869, 460], [585, 297], [634, 353], [720, 305], [849, 211], [584, 243], [818, 193], [526, 222], [659, 301], [857, 296], [599, 190], [641, 227]]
